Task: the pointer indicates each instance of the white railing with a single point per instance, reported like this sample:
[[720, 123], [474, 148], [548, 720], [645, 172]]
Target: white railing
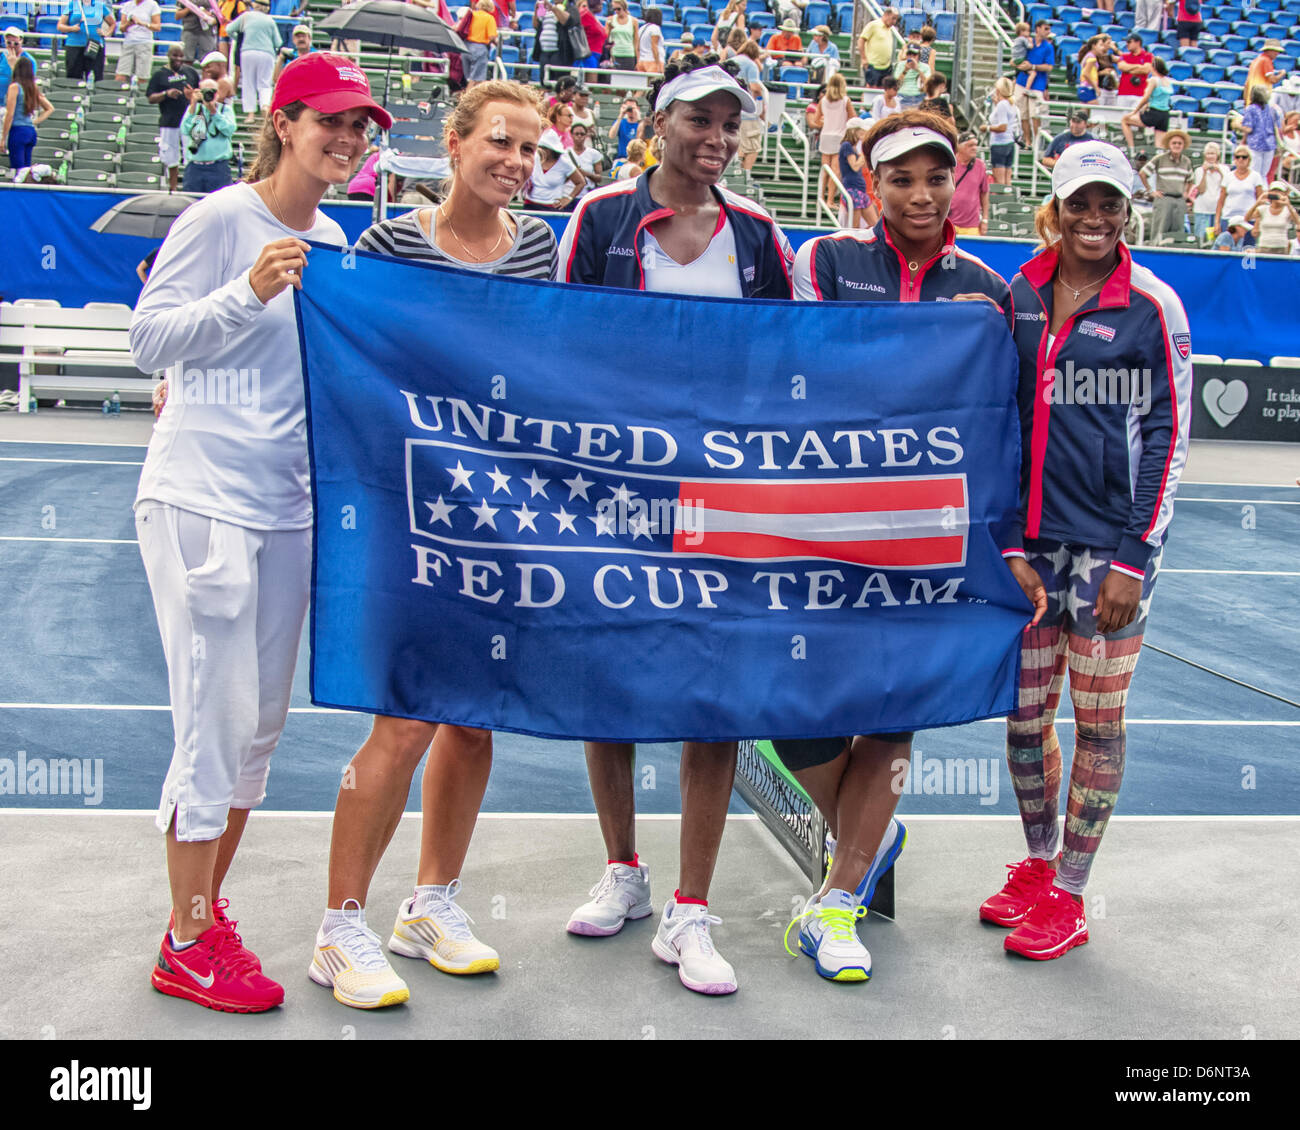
[[801, 170]]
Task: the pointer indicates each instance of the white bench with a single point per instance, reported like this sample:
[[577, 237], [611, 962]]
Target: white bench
[[70, 350]]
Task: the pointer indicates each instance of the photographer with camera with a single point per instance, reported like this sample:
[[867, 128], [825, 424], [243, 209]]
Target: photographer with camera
[[1272, 216], [206, 130], [170, 89], [912, 75]]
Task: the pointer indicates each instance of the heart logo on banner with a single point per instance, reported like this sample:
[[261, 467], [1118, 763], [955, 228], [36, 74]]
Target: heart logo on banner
[[1224, 402]]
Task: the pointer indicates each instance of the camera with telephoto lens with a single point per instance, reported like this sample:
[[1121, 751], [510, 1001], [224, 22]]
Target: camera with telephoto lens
[[209, 95], [198, 132]]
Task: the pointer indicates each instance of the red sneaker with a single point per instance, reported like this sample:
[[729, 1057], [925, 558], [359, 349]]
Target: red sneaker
[[1054, 925], [1027, 880], [215, 972], [219, 909]]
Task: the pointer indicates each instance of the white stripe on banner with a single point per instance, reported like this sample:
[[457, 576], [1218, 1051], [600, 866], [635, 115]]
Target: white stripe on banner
[[871, 526]]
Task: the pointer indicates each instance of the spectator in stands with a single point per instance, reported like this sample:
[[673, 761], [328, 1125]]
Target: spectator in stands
[[1236, 235], [25, 109], [364, 185], [261, 45], [214, 66], [1149, 14], [1088, 85], [82, 24], [1168, 176], [1152, 109], [1031, 80], [137, 21], [936, 97], [876, 46], [479, 38], [621, 31], [886, 102], [559, 117], [1206, 185], [1286, 96], [13, 51], [650, 42], [911, 74], [170, 89], [752, 125], [1259, 126], [1134, 67], [929, 55], [859, 209], [1002, 127], [1077, 131], [784, 44], [834, 109], [1188, 22], [790, 10], [1272, 217], [232, 10], [632, 164], [969, 210], [551, 45], [585, 112], [206, 130], [299, 46], [1021, 45], [687, 47], [198, 29], [1262, 69], [733, 17], [1242, 186], [1289, 144], [823, 56], [556, 181], [596, 36], [629, 121], [589, 159]]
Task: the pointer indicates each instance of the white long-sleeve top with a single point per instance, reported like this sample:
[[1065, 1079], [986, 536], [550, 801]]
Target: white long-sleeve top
[[231, 442]]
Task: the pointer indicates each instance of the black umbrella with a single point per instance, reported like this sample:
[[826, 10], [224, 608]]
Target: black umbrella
[[150, 214], [393, 24]]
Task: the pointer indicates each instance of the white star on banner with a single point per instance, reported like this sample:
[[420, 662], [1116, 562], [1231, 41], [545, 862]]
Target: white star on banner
[[578, 486], [536, 484], [486, 514], [623, 495], [459, 476], [640, 527], [439, 511], [1060, 559], [1083, 566], [604, 523], [566, 521], [525, 517], [500, 480]]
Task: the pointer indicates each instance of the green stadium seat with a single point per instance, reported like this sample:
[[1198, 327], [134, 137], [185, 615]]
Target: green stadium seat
[[89, 179]]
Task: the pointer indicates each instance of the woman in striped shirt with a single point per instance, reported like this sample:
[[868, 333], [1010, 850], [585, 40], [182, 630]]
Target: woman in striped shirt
[[492, 137]]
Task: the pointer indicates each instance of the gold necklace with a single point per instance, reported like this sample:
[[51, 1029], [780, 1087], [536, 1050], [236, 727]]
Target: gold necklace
[[1085, 289], [914, 266], [465, 247], [277, 211]]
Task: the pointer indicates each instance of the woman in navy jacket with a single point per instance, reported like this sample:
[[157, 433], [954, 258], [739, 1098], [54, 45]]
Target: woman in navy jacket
[[1105, 392]]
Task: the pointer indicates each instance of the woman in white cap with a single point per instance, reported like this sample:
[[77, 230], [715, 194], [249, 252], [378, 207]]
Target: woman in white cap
[[556, 181], [911, 255], [1100, 464], [223, 510], [1273, 216], [672, 229], [491, 136]]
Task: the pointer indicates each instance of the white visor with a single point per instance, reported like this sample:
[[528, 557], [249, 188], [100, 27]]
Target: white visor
[[893, 146], [700, 83]]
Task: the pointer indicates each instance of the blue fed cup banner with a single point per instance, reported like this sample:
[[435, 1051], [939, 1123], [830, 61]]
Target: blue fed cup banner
[[591, 513]]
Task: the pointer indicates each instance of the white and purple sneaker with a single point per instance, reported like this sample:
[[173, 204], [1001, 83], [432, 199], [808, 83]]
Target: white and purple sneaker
[[683, 940], [622, 893]]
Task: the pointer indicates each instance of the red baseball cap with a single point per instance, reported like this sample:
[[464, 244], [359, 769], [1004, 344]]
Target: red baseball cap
[[328, 83]]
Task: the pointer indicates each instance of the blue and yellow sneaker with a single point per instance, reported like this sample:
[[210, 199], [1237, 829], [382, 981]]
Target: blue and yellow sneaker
[[828, 935]]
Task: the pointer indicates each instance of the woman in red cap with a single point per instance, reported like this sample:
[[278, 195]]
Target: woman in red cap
[[223, 511]]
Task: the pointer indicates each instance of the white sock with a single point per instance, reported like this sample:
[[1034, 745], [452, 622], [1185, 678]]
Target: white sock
[[425, 894], [335, 918], [180, 945]]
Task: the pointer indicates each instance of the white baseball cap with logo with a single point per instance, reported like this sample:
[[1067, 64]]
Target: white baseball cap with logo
[[1091, 162], [700, 83]]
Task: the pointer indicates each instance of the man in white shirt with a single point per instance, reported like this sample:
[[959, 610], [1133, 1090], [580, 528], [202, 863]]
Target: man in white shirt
[[139, 19]]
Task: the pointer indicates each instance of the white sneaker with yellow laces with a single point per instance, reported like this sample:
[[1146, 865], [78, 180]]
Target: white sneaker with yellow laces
[[430, 925]]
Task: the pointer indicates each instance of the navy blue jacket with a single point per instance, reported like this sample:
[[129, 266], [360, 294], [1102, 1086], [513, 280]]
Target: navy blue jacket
[[605, 240], [1104, 411]]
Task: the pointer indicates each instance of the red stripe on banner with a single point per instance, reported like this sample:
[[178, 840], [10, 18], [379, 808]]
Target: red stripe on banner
[[916, 552], [826, 498]]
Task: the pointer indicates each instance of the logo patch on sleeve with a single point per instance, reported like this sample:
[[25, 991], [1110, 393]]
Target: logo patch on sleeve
[[1183, 343]]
